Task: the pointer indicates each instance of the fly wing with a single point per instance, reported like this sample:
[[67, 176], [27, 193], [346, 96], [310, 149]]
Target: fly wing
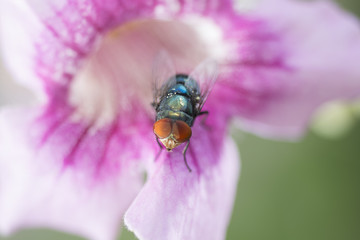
[[205, 75], [162, 76]]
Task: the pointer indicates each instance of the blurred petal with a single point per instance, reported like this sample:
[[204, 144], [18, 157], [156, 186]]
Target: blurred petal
[[107, 45], [293, 63], [177, 204], [119, 71], [18, 27], [72, 178], [47, 39]]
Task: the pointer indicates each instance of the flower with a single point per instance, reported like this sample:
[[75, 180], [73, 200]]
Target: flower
[[76, 160]]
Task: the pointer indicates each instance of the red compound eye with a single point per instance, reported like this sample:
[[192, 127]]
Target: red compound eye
[[181, 131], [162, 127]]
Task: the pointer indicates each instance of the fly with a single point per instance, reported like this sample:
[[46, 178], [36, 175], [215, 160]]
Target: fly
[[178, 100]]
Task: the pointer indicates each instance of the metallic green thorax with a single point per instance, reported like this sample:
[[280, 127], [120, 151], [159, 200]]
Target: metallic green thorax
[[178, 101]]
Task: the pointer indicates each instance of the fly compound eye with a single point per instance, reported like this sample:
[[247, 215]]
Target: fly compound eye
[[181, 131], [162, 128]]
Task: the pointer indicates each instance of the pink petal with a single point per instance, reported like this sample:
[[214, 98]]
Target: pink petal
[[76, 182], [47, 39], [18, 25], [177, 204], [63, 37], [296, 56]]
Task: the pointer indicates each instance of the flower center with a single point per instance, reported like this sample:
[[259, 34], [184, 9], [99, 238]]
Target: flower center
[[118, 73]]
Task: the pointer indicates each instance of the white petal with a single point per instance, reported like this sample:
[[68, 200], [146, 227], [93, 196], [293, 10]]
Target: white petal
[[177, 204]]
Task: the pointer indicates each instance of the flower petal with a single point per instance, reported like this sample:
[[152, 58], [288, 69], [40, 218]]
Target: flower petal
[[47, 40], [177, 204], [18, 25], [296, 63], [72, 172]]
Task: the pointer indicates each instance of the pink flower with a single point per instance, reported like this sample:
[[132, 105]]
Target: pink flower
[[76, 161]]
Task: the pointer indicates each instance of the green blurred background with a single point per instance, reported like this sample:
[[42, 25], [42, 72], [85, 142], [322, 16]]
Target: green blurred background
[[287, 191]]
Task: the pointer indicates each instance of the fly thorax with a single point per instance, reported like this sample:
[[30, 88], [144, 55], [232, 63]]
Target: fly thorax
[[176, 106], [177, 102], [189, 120]]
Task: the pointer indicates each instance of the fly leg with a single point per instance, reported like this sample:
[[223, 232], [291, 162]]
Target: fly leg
[[161, 148], [184, 154]]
